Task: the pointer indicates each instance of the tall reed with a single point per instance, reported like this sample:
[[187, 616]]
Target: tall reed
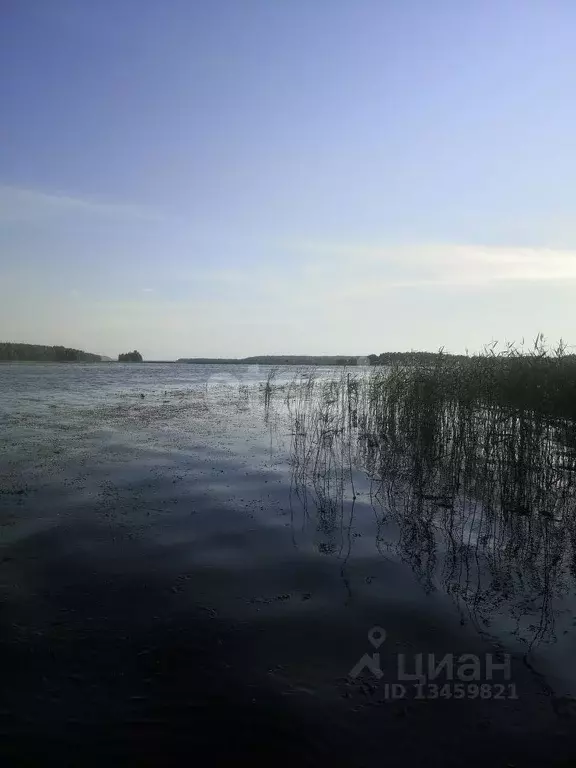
[[474, 459]]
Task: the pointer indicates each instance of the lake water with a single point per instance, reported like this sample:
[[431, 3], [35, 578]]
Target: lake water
[[154, 513]]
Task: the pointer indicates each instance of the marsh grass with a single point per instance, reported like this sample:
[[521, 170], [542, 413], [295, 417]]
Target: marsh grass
[[474, 462]]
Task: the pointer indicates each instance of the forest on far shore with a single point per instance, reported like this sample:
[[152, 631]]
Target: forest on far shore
[[42, 353], [386, 358]]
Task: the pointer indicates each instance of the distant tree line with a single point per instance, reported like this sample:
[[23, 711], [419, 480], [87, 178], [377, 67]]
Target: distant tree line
[[274, 360], [130, 357], [385, 358], [41, 353]]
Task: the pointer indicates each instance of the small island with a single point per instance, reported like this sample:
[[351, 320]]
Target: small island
[[130, 357]]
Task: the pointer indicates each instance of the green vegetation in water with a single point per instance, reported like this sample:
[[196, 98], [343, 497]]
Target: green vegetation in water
[[471, 466], [42, 353], [130, 357]]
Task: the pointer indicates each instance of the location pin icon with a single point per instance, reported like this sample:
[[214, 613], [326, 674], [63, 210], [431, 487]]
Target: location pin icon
[[376, 636]]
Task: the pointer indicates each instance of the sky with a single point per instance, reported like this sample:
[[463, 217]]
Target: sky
[[227, 178]]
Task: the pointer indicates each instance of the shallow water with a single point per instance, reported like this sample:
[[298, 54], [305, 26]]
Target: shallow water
[[160, 490]]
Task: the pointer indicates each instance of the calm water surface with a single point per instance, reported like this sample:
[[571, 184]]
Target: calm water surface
[[178, 475]]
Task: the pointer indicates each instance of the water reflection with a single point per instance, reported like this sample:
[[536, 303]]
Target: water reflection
[[478, 501]]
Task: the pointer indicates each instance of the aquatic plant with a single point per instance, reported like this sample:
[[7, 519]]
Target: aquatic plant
[[473, 459]]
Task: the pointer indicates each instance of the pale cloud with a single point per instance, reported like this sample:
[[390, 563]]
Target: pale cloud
[[19, 205], [472, 264], [323, 300], [233, 276], [368, 270], [359, 273]]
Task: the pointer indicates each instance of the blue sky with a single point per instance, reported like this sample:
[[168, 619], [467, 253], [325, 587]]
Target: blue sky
[[235, 177]]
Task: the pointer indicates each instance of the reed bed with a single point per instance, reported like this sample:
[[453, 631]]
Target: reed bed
[[474, 462]]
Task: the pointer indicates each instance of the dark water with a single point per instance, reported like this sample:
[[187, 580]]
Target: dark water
[[170, 568]]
